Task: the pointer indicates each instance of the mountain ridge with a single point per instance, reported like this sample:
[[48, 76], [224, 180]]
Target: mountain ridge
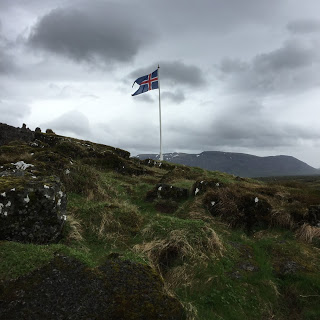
[[241, 164]]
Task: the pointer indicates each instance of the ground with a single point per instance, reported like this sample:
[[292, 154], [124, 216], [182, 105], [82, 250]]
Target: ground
[[251, 255]]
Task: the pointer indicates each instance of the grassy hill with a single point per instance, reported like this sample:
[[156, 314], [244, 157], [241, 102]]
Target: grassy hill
[[234, 248]]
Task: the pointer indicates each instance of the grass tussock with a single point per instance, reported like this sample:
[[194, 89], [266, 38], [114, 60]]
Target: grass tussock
[[84, 180], [179, 246], [117, 221], [75, 232], [308, 233], [6, 158]]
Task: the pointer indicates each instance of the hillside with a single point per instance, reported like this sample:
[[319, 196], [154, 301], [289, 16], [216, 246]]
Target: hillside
[[240, 164], [86, 232]]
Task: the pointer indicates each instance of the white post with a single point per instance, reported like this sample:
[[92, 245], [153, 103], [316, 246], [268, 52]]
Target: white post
[[161, 156]]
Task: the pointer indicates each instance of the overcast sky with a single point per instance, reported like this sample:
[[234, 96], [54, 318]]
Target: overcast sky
[[236, 75]]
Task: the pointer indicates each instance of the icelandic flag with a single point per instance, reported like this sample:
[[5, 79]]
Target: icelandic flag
[[148, 82]]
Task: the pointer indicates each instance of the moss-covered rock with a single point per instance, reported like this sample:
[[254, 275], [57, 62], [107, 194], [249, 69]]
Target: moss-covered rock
[[67, 289], [201, 186], [239, 208], [32, 209], [167, 191]]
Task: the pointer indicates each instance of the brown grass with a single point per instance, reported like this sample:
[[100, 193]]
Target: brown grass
[[162, 253], [12, 158], [308, 233]]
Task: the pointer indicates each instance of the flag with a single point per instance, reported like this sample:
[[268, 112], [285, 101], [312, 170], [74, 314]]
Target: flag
[[148, 82]]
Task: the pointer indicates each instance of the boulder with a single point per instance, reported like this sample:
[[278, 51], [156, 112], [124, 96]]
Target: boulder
[[32, 209], [68, 289], [247, 210], [167, 191], [313, 217], [201, 186]]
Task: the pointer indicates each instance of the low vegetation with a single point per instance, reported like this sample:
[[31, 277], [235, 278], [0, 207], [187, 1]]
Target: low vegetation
[[234, 249]]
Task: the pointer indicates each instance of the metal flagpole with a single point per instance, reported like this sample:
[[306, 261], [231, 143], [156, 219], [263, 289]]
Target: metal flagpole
[[161, 156]]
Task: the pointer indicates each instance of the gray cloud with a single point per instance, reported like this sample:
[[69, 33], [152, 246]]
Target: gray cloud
[[12, 112], [292, 55], [6, 60], [242, 126], [6, 63], [72, 122], [175, 96], [103, 32], [174, 73], [288, 68], [304, 26]]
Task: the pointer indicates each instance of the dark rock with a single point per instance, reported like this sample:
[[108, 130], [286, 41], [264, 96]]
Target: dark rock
[[9, 133], [49, 131], [313, 217], [201, 186], [67, 289], [286, 267], [239, 209], [32, 209], [166, 191], [37, 130]]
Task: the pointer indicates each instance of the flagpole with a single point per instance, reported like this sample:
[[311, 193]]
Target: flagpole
[[161, 156]]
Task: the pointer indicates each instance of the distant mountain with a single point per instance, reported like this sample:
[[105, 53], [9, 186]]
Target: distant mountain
[[240, 164]]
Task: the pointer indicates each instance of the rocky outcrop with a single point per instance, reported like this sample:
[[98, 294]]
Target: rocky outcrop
[[167, 191], [67, 289], [166, 197], [9, 133], [246, 210], [32, 209], [313, 217], [201, 186]]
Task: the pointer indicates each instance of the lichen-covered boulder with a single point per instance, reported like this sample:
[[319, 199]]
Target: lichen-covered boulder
[[248, 210], [67, 289], [32, 209], [313, 217], [201, 186], [167, 191]]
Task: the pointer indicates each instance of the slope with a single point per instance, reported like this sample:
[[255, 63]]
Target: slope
[[225, 247]]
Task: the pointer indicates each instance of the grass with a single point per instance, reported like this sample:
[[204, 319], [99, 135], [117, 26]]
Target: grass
[[217, 271]]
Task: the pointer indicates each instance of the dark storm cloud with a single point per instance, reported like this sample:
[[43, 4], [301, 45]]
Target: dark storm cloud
[[105, 32], [304, 26], [73, 122], [174, 73], [288, 68]]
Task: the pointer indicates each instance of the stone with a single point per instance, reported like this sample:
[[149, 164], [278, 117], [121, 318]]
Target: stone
[[313, 217], [49, 131], [239, 209], [32, 210], [201, 186], [167, 191], [9, 134], [67, 289]]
